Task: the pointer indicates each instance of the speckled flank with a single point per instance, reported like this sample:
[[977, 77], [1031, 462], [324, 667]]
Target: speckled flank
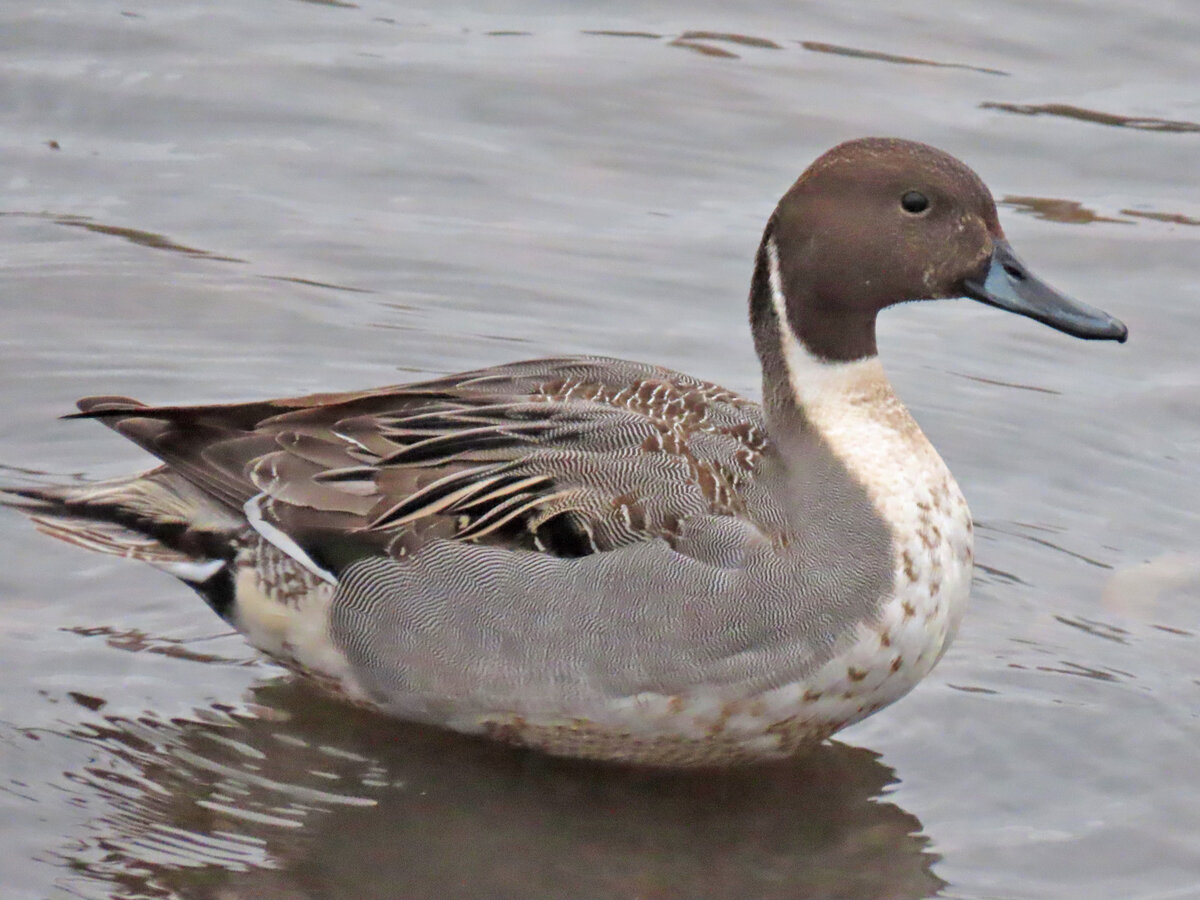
[[699, 729], [583, 738]]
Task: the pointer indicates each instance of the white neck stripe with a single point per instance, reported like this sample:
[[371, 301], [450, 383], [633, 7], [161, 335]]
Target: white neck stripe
[[809, 375]]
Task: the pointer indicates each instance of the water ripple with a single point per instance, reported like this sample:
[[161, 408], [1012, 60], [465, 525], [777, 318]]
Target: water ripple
[[1067, 111]]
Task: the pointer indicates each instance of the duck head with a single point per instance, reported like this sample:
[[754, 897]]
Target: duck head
[[878, 221]]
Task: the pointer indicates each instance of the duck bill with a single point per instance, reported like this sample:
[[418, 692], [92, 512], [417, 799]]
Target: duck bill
[[1008, 284]]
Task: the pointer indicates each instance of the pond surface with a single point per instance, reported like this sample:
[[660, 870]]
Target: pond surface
[[231, 200]]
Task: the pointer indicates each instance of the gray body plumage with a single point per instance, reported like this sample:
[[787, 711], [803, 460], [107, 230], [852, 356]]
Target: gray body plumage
[[664, 545]]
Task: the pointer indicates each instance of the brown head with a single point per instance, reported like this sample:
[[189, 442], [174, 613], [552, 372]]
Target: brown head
[[880, 221]]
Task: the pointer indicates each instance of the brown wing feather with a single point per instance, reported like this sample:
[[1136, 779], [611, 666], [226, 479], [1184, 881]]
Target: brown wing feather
[[568, 456]]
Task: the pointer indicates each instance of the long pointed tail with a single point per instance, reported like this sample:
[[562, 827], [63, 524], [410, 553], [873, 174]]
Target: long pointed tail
[[155, 517]]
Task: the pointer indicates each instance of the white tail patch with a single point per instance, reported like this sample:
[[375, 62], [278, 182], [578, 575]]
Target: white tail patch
[[192, 571]]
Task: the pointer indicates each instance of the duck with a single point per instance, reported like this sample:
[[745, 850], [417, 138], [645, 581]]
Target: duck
[[600, 558]]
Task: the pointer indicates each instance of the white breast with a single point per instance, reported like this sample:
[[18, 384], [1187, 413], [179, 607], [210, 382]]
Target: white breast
[[883, 448], [854, 408]]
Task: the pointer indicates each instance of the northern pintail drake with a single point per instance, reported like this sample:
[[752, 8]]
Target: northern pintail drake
[[601, 558]]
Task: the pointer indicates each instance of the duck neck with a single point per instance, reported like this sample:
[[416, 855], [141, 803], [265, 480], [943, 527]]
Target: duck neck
[[814, 356]]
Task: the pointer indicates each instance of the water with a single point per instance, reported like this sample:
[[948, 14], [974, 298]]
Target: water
[[229, 200]]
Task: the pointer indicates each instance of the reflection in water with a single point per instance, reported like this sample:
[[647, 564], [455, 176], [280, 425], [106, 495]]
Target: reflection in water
[[344, 4], [1169, 218], [1053, 209], [1144, 123], [312, 798], [141, 238], [319, 284], [705, 49], [137, 641], [972, 689], [998, 382], [1067, 667], [1020, 530], [700, 41], [744, 39], [161, 242], [133, 235], [605, 32], [820, 47], [705, 42], [1097, 629], [989, 574]]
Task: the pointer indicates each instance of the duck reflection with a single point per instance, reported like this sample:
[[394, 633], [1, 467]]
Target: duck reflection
[[310, 798]]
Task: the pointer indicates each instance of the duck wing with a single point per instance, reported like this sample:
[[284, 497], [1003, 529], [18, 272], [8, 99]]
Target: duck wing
[[566, 457]]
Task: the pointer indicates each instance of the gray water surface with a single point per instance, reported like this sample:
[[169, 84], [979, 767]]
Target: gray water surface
[[230, 200]]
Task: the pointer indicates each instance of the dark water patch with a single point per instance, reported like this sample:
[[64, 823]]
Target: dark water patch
[[1008, 384], [318, 284], [1054, 209], [971, 689], [1169, 629], [135, 640], [1064, 110], [508, 339], [1169, 218], [1096, 629], [1021, 529], [1082, 671], [145, 239], [604, 32], [508, 33], [1008, 577], [87, 701], [744, 40], [134, 235], [1040, 526], [705, 49], [1029, 642], [343, 4], [877, 56], [1074, 555]]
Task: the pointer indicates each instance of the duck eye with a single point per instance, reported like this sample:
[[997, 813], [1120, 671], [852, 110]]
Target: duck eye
[[914, 202]]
